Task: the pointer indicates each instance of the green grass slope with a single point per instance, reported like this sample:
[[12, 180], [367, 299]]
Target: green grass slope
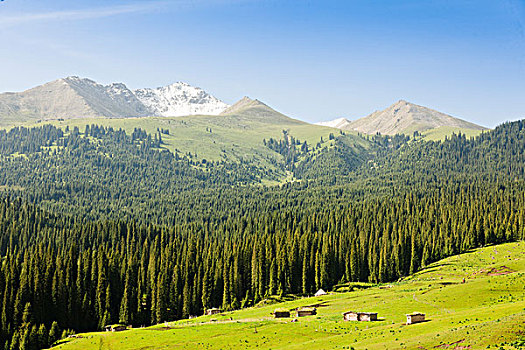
[[440, 133], [487, 311], [234, 136], [230, 138]]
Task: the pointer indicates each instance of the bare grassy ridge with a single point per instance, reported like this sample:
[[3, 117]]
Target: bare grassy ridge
[[487, 311]]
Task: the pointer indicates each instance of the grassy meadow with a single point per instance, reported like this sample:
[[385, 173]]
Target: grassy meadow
[[486, 311], [229, 138], [440, 133]]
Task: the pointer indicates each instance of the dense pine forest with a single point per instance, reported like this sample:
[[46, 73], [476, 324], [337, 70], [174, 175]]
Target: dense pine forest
[[99, 226]]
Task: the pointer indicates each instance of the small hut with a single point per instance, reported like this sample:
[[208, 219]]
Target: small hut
[[213, 311], [281, 313], [415, 317], [359, 316], [306, 311], [320, 292], [115, 328]]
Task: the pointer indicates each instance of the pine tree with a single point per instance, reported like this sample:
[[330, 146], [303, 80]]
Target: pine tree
[[414, 254], [206, 290], [354, 263], [54, 333], [27, 316], [42, 337]]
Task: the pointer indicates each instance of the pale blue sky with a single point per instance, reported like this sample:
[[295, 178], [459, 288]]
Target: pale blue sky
[[313, 60]]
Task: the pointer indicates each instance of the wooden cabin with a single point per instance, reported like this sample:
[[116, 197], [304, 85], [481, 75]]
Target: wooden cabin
[[281, 313], [415, 317], [306, 311], [213, 311], [115, 328], [359, 316]]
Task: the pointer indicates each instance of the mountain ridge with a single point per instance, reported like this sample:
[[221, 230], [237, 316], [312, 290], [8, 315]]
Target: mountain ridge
[[113, 100], [75, 97], [402, 117], [180, 99]]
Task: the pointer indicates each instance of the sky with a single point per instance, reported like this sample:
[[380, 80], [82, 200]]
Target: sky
[[312, 60]]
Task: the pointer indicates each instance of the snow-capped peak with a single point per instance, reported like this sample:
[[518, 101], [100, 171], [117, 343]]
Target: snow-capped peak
[[180, 99], [338, 123]]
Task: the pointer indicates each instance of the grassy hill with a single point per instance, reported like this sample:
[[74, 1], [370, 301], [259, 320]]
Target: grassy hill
[[236, 135], [487, 311], [230, 138]]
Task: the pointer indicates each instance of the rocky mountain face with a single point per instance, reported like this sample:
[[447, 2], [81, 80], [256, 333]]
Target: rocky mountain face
[[75, 97], [402, 118], [113, 101]]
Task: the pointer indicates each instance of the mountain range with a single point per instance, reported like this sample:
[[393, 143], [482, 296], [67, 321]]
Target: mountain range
[[74, 97]]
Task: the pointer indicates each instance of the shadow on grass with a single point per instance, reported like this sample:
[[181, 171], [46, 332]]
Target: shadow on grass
[[411, 324], [323, 304]]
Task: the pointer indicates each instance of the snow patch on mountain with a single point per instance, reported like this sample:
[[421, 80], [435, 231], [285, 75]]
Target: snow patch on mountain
[[180, 99], [339, 123]]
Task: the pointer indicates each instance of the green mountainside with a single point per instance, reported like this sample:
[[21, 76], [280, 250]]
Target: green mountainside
[[236, 135], [102, 170]]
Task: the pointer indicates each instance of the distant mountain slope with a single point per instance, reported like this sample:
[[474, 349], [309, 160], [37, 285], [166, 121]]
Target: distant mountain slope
[[180, 99], [71, 97], [49, 101], [404, 118], [113, 101], [75, 97]]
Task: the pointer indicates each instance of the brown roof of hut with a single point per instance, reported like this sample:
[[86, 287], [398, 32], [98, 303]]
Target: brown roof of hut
[[306, 311], [280, 313]]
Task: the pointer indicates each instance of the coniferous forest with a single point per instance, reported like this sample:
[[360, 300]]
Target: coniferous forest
[[100, 226]]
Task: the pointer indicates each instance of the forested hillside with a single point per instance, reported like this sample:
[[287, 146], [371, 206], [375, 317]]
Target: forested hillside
[[99, 226]]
